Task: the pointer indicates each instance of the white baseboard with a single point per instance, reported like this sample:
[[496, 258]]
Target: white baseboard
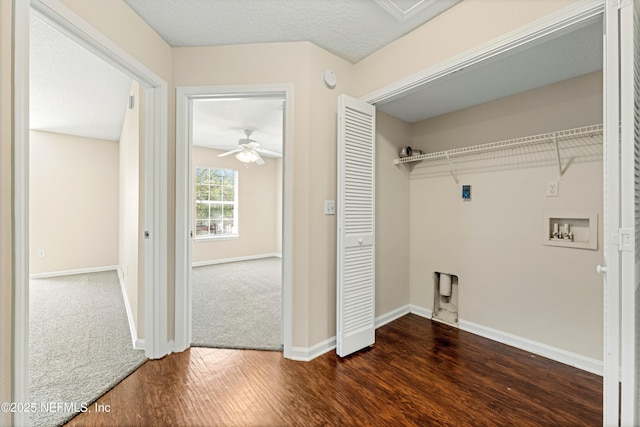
[[392, 315], [307, 354], [421, 311], [568, 358], [242, 258], [138, 343], [399, 312], [71, 272]]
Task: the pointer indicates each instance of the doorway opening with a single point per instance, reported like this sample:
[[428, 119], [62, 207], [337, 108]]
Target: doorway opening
[[252, 165], [154, 91], [236, 151], [85, 206]]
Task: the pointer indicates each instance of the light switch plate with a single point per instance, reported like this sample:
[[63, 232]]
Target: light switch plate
[[329, 207]]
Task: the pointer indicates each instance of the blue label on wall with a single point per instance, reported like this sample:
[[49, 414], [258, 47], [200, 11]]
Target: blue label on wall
[[466, 192]]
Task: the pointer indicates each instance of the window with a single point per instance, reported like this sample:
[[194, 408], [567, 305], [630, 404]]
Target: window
[[216, 202]]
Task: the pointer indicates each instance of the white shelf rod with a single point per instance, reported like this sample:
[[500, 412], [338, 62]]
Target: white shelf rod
[[555, 142], [453, 171], [500, 145]]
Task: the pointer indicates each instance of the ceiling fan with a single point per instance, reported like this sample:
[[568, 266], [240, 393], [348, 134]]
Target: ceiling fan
[[249, 150]]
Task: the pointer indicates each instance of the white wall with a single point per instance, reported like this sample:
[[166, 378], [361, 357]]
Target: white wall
[[73, 202], [259, 191], [508, 280], [131, 209], [314, 151], [392, 215], [572, 103]]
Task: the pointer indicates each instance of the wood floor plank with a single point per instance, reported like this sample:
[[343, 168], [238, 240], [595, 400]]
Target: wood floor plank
[[418, 373]]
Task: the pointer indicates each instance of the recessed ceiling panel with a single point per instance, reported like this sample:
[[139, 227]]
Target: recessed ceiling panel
[[405, 9]]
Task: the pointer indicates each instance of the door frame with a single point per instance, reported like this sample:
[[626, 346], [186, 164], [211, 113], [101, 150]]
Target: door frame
[[626, 35], [183, 278], [156, 93]]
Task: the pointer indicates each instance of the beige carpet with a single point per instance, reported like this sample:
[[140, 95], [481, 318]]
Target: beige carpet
[[238, 305], [79, 344]]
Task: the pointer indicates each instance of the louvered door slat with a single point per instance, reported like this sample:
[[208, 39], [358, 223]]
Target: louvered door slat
[[355, 263]]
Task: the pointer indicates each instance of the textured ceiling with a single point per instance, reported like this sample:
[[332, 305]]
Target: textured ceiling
[[547, 61], [351, 29], [71, 90]]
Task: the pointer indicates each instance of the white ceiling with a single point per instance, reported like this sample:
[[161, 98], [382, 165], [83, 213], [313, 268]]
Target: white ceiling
[[71, 90], [219, 123], [351, 29], [544, 62]]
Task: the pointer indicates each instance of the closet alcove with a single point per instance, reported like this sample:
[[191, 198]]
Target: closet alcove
[[510, 284]]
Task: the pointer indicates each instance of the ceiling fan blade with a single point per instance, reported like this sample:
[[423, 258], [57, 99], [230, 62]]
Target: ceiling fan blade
[[228, 153], [269, 152], [259, 162]]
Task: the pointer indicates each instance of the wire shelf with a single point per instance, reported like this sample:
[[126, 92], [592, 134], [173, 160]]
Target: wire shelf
[[511, 143]]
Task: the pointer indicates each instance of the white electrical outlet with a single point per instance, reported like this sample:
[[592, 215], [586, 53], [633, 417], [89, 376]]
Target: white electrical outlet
[[552, 189], [41, 253], [329, 207]]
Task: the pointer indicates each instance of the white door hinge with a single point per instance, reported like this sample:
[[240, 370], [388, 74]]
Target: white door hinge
[[625, 239]]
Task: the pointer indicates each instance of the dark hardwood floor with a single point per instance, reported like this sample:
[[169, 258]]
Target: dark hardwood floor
[[419, 373]]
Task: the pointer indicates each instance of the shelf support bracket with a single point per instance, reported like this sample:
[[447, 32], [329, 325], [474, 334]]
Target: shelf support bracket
[[555, 142], [453, 170]]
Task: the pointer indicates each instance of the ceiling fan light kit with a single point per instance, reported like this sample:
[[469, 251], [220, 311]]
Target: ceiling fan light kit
[[249, 150], [247, 156]]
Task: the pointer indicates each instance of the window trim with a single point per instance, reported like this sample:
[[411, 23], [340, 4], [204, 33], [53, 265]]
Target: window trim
[[213, 237], [235, 203]]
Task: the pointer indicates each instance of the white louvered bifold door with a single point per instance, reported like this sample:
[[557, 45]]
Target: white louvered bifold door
[[622, 213], [611, 356], [356, 225], [630, 210]]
